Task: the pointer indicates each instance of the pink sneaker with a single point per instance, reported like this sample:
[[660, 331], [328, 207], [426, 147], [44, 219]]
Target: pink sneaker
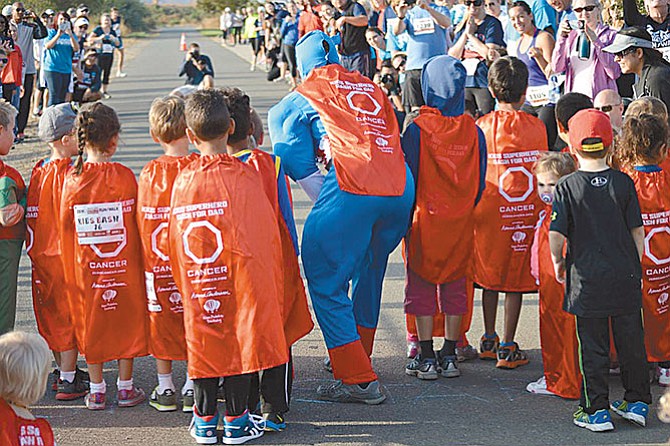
[[130, 398], [95, 401]]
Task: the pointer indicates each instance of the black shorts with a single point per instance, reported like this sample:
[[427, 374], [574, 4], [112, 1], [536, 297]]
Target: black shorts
[[411, 90]]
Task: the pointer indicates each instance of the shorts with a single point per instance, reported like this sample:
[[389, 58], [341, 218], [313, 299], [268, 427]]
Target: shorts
[[42, 81], [120, 47], [412, 96], [423, 298], [70, 87]]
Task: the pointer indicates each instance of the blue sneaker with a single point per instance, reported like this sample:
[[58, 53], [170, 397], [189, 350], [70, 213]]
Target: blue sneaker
[[600, 421], [239, 430], [203, 429], [274, 422], [635, 412]]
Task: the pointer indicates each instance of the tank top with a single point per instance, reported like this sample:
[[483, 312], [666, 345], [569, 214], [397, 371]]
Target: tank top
[[537, 93]]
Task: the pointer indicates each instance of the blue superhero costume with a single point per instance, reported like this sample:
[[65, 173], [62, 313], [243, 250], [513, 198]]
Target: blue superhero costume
[[347, 236]]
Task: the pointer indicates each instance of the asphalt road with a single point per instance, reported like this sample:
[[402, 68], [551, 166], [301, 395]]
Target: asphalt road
[[484, 406]]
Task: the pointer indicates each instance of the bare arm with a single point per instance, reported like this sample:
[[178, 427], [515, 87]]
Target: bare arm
[[439, 18], [556, 243]]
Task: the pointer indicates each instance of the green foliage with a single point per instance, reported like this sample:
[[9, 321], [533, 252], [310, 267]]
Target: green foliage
[[169, 15], [216, 6]]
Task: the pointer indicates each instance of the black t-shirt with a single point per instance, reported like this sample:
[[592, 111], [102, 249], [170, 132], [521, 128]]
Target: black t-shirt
[[660, 32], [353, 37], [596, 211], [655, 82]]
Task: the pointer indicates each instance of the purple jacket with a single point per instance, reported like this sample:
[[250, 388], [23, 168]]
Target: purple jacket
[[606, 72]]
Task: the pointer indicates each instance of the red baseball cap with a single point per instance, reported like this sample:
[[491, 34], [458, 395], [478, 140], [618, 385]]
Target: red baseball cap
[[590, 124]]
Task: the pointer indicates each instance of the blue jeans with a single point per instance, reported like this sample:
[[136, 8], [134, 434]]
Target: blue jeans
[[57, 84], [357, 62]]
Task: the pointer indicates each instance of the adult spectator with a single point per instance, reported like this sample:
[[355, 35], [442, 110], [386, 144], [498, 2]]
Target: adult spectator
[[289, 37], [29, 28], [493, 8], [327, 16], [609, 102], [478, 42], [597, 72], [58, 51], [225, 23], [105, 39], [564, 10], [382, 14], [197, 68], [426, 25], [388, 81], [354, 49], [534, 48], [82, 11], [634, 51], [657, 22], [544, 14], [39, 98], [116, 26], [310, 17]]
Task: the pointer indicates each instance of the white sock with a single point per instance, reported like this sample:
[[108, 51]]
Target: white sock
[[98, 388], [165, 382], [124, 385], [67, 376], [188, 385]]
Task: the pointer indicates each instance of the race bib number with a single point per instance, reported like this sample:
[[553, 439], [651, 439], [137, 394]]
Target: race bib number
[[107, 48], [538, 96], [99, 223], [423, 26]]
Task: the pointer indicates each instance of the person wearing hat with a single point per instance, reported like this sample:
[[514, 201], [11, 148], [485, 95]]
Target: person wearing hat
[[634, 51], [89, 79], [596, 210], [82, 11]]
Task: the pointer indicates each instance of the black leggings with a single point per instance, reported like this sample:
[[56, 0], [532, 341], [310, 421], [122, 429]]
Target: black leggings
[[105, 60], [546, 114], [236, 389], [289, 56], [482, 99]]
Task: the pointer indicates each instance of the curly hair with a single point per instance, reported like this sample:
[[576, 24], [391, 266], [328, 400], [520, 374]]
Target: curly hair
[[643, 140]]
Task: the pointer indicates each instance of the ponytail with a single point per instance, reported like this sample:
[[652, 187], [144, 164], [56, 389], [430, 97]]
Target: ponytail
[[82, 124]]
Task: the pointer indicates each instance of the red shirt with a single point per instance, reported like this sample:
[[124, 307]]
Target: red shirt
[[309, 21]]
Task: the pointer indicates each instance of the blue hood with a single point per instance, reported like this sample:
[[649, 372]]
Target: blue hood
[[443, 85], [310, 53]]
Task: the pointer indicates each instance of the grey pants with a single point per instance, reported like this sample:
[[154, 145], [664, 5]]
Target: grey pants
[[10, 254]]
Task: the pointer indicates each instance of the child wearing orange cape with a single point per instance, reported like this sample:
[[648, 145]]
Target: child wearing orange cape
[[166, 321], [226, 256], [50, 301], [276, 383], [641, 152], [508, 210], [561, 364], [102, 257]]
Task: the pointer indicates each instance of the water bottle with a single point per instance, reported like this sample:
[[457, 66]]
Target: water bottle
[[583, 43]]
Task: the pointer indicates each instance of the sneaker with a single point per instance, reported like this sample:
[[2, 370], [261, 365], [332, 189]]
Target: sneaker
[[448, 366], [663, 376], [163, 402], [95, 401], [539, 387], [634, 412], [83, 376], [187, 401], [412, 349], [466, 353], [274, 422], [106, 96], [339, 392], [55, 377], [253, 68], [130, 398], [121, 74], [327, 366], [488, 348], [600, 421], [68, 391], [511, 357], [203, 429], [422, 368], [242, 429]]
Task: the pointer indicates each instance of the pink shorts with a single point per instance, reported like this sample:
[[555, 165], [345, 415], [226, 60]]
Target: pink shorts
[[423, 298]]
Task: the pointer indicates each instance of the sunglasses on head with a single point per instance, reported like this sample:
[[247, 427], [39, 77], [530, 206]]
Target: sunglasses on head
[[585, 8], [474, 3]]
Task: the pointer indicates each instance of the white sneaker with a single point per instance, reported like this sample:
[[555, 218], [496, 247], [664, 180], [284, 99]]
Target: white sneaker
[[253, 68], [539, 387], [663, 376], [121, 74]]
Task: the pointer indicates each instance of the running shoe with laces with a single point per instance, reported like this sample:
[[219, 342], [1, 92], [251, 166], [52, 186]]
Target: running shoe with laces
[[83, 376], [339, 392], [600, 421], [663, 376], [511, 357], [54, 377], [95, 401], [68, 391], [466, 353], [448, 366], [130, 398], [239, 430], [203, 429], [539, 387], [187, 401], [634, 412], [163, 402], [327, 366], [422, 368], [488, 347], [274, 422]]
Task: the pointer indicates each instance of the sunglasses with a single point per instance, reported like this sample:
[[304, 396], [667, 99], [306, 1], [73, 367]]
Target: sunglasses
[[624, 53], [606, 108], [585, 8], [490, 5], [474, 3], [20, 9], [83, 27]]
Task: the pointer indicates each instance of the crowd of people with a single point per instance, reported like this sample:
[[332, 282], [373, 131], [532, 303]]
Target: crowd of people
[[199, 261]]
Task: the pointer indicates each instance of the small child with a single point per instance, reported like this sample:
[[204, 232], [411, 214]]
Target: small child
[[596, 210], [50, 300], [24, 370], [12, 224], [508, 210], [641, 151], [226, 257], [166, 321], [102, 257], [561, 368]]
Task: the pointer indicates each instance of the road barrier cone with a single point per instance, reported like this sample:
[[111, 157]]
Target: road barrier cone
[[182, 42]]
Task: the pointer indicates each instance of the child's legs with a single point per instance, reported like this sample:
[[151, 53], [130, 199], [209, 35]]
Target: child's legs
[[163, 366], [629, 341], [594, 348], [512, 313], [68, 360], [237, 394], [204, 393], [95, 373], [276, 386], [57, 358], [420, 301], [453, 302], [125, 369], [490, 309], [10, 254]]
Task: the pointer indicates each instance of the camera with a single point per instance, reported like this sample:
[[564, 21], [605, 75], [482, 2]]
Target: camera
[[387, 80], [410, 3], [64, 26]]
